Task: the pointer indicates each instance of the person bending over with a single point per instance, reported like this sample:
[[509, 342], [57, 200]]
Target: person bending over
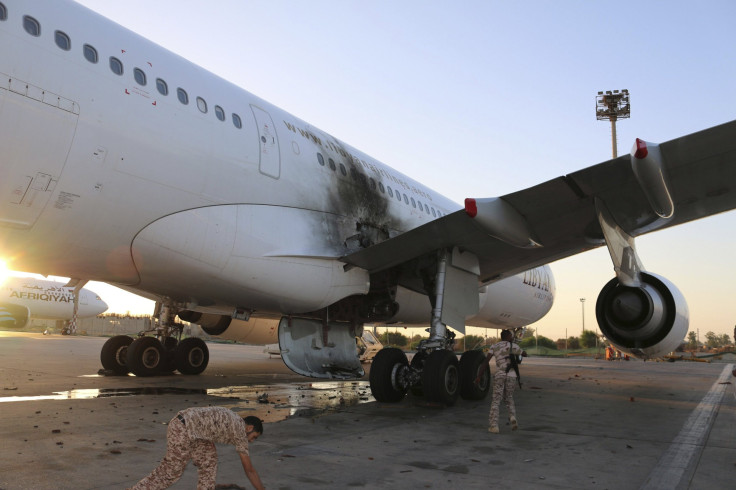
[[192, 435]]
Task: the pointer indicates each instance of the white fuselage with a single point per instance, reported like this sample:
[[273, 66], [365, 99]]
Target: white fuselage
[[225, 201]]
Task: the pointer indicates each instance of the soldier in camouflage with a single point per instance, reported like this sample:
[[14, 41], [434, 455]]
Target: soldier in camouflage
[[191, 435], [505, 379]]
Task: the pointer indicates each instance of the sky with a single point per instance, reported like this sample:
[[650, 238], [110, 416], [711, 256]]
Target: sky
[[484, 98]]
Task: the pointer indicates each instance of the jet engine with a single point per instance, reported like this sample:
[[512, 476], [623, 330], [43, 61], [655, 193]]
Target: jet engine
[[14, 316], [258, 331], [646, 321]]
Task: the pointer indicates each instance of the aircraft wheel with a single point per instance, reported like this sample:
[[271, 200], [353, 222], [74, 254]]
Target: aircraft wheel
[[146, 356], [192, 356], [114, 352], [441, 377], [387, 368], [417, 362], [471, 362], [169, 366]]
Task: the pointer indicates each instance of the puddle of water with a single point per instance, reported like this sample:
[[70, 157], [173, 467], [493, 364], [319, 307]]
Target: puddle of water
[[270, 402], [87, 394], [276, 402]]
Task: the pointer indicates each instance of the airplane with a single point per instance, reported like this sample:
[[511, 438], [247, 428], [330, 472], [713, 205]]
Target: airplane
[[127, 164], [23, 298]]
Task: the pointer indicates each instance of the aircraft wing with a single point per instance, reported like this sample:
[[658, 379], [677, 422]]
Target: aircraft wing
[[558, 218]]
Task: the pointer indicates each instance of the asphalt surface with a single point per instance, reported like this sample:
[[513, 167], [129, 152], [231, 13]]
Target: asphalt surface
[[583, 424]]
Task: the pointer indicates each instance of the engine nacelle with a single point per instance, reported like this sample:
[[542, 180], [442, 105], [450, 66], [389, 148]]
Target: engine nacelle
[[257, 331], [648, 321], [14, 316]]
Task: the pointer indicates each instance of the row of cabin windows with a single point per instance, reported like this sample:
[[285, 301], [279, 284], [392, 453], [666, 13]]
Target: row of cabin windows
[[33, 27], [368, 181]]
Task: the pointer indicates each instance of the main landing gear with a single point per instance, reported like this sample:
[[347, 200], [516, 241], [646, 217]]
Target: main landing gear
[[162, 353], [437, 375], [435, 371]]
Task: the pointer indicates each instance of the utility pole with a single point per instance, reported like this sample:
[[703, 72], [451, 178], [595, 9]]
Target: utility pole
[[582, 304]]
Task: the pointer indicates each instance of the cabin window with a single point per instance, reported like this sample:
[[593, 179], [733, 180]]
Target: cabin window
[[90, 53], [381, 188], [426, 208], [237, 122], [140, 76], [398, 195], [419, 203], [62, 40], [201, 105], [331, 162], [162, 87], [406, 199], [3, 12], [373, 184], [343, 170], [219, 113], [413, 203], [433, 213], [31, 26], [321, 159], [116, 65], [182, 95], [390, 191]]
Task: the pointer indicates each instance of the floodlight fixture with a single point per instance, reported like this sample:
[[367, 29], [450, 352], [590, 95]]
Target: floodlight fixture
[[612, 106]]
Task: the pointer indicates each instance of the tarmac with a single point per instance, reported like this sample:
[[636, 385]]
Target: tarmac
[[584, 423]]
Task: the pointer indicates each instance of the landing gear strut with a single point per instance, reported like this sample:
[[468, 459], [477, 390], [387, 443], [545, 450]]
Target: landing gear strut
[[160, 353]]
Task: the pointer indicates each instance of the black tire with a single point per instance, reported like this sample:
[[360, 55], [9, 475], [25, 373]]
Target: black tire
[[192, 356], [417, 362], [441, 377], [471, 362], [170, 343], [114, 352], [387, 366], [146, 356], [169, 366]]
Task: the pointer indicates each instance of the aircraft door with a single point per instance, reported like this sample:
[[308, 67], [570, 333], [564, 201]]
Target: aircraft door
[[270, 157], [35, 134]]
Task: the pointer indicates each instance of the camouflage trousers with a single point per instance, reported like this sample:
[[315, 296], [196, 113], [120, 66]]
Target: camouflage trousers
[[503, 389], [179, 450]]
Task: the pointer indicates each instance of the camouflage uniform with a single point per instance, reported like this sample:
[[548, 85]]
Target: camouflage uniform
[[191, 435], [504, 383]]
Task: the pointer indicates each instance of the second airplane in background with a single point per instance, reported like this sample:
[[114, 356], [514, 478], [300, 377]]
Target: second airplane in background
[[23, 298]]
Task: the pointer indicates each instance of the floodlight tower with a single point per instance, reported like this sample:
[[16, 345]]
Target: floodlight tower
[[613, 106]]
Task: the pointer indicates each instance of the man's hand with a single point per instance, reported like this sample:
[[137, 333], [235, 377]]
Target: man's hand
[[250, 471]]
